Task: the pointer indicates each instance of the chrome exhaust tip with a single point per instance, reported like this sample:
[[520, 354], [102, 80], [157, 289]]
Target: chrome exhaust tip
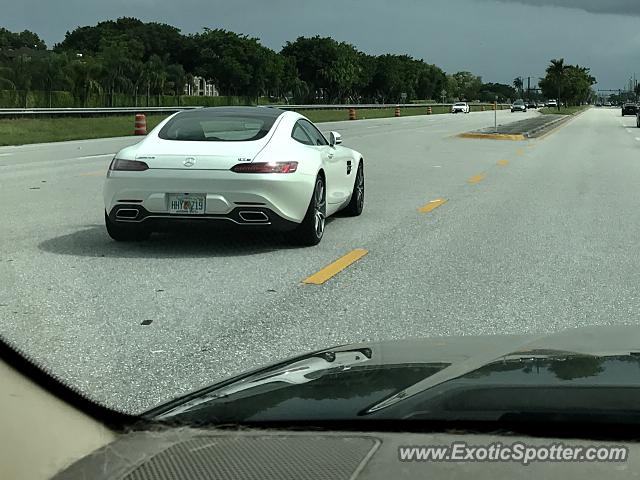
[[127, 214], [253, 217]]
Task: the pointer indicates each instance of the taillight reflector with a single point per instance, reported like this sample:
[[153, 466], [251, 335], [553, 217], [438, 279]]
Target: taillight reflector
[[264, 167]]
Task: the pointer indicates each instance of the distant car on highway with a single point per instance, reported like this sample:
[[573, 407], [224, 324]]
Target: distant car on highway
[[551, 103], [629, 108], [531, 104], [518, 106], [460, 107], [245, 166], [607, 104]]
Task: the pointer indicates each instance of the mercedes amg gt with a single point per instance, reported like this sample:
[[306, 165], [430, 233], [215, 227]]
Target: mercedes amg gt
[[247, 166]]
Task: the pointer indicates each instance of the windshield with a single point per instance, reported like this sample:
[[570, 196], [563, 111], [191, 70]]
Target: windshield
[[193, 192], [217, 125]]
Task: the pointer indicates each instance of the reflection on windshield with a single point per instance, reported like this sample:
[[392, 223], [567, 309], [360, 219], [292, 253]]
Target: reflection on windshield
[[332, 395]]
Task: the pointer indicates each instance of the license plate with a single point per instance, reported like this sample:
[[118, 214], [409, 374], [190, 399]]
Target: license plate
[[187, 204]]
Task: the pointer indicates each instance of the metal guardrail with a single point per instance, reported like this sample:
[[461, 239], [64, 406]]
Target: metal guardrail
[[379, 106], [16, 112], [36, 112]]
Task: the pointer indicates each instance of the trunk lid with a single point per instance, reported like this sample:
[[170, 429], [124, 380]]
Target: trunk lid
[[194, 155]]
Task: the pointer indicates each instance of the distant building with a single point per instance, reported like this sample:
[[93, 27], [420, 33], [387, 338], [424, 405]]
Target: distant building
[[200, 87]]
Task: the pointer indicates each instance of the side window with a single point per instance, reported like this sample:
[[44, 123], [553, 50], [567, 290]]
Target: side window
[[300, 135], [314, 133]]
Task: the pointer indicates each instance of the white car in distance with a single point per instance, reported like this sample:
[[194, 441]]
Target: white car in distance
[[460, 107], [251, 167]]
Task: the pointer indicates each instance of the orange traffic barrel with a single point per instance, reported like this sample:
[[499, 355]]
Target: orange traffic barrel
[[397, 114], [140, 125], [429, 111], [494, 106], [352, 114]]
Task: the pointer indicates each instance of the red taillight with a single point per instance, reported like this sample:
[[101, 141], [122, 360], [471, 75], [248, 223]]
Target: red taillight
[[263, 167], [128, 165]]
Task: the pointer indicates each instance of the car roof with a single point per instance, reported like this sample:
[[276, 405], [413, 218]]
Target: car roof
[[255, 112]]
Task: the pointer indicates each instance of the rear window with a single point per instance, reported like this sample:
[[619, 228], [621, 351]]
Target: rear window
[[216, 127], [459, 104]]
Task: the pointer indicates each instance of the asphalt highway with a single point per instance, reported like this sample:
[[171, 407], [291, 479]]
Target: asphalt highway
[[458, 236]]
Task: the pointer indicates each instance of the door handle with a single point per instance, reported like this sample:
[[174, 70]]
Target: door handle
[[330, 155]]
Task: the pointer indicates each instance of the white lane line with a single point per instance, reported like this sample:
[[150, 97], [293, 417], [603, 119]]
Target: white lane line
[[93, 156], [638, 139], [5, 154]]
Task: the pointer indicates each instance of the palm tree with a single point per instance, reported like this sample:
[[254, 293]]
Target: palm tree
[[176, 79], [5, 77], [52, 72], [84, 76], [22, 75], [155, 76], [557, 71], [5, 80], [518, 83]]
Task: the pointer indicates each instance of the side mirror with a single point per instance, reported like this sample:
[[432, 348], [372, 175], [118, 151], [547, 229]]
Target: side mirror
[[335, 139]]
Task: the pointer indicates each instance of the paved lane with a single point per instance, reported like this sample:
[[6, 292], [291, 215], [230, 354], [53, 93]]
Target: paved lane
[[533, 236]]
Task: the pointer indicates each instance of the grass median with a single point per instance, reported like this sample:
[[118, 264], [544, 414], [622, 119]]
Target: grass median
[[21, 131], [563, 110]]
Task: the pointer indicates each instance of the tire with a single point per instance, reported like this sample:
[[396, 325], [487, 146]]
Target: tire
[[356, 204], [125, 233], [311, 230]]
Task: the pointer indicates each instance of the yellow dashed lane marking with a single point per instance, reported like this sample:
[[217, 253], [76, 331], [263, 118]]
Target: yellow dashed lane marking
[[520, 151], [477, 178], [93, 174], [503, 163], [336, 267], [432, 205]]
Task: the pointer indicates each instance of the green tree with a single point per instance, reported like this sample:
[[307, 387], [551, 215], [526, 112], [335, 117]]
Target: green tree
[[468, 85], [176, 80], [51, 74], [331, 69], [553, 83], [503, 92], [85, 76], [518, 83], [119, 58], [18, 40], [155, 76]]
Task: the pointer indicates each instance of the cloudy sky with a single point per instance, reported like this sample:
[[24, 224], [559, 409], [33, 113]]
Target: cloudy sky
[[497, 39]]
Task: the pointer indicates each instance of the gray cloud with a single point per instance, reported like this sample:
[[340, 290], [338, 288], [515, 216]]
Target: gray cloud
[[618, 7], [497, 39]]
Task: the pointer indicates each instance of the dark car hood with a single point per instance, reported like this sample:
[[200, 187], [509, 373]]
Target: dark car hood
[[393, 382]]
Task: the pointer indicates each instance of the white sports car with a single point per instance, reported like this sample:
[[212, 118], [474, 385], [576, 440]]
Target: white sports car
[[461, 107], [246, 166]]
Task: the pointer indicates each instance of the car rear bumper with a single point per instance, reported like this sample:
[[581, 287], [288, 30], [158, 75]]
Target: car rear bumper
[[239, 217], [286, 196]]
